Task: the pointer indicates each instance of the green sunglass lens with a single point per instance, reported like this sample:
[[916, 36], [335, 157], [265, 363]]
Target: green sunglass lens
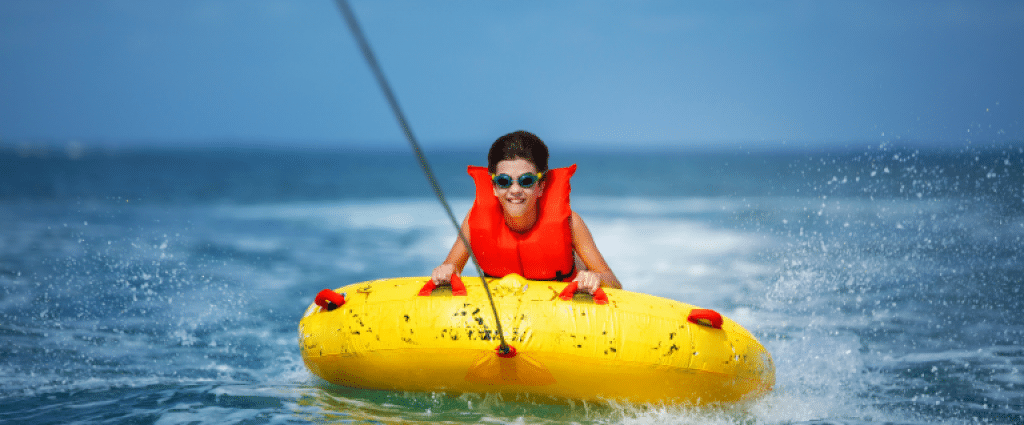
[[503, 181], [527, 180]]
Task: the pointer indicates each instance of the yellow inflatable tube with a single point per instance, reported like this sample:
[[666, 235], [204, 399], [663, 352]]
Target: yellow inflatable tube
[[636, 348]]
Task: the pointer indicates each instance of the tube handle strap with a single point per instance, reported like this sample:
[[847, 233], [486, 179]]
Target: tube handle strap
[[705, 317], [600, 297], [458, 288], [329, 300]]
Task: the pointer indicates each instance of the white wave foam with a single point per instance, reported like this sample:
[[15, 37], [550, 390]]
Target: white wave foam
[[380, 214]]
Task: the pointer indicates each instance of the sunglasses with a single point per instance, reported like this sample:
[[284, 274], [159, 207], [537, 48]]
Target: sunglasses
[[526, 181]]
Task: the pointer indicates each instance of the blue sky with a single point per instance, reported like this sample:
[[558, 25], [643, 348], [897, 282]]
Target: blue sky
[[590, 73]]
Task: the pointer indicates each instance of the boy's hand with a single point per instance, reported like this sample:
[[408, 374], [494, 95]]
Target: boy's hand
[[442, 275]]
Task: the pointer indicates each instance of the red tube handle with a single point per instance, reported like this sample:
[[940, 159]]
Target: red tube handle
[[329, 300], [705, 317], [458, 288], [508, 353], [600, 297]]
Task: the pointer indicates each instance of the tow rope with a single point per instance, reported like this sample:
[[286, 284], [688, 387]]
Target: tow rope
[[503, 350]]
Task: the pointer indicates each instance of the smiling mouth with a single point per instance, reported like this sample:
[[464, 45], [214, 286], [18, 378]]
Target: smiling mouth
[[515, 200]]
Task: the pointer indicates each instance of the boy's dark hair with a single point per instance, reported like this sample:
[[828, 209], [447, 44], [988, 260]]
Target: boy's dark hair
[[518, 144]]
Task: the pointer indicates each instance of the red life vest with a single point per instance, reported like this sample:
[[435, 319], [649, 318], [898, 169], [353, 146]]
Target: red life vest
[[542, 253]]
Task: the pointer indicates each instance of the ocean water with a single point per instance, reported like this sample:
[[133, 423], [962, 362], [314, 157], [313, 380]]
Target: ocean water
[[165, 286]]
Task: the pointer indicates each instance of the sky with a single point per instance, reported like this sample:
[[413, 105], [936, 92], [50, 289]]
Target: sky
[[626, 74]]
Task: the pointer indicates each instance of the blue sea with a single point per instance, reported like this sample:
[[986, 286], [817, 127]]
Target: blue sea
[[165, 285]]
